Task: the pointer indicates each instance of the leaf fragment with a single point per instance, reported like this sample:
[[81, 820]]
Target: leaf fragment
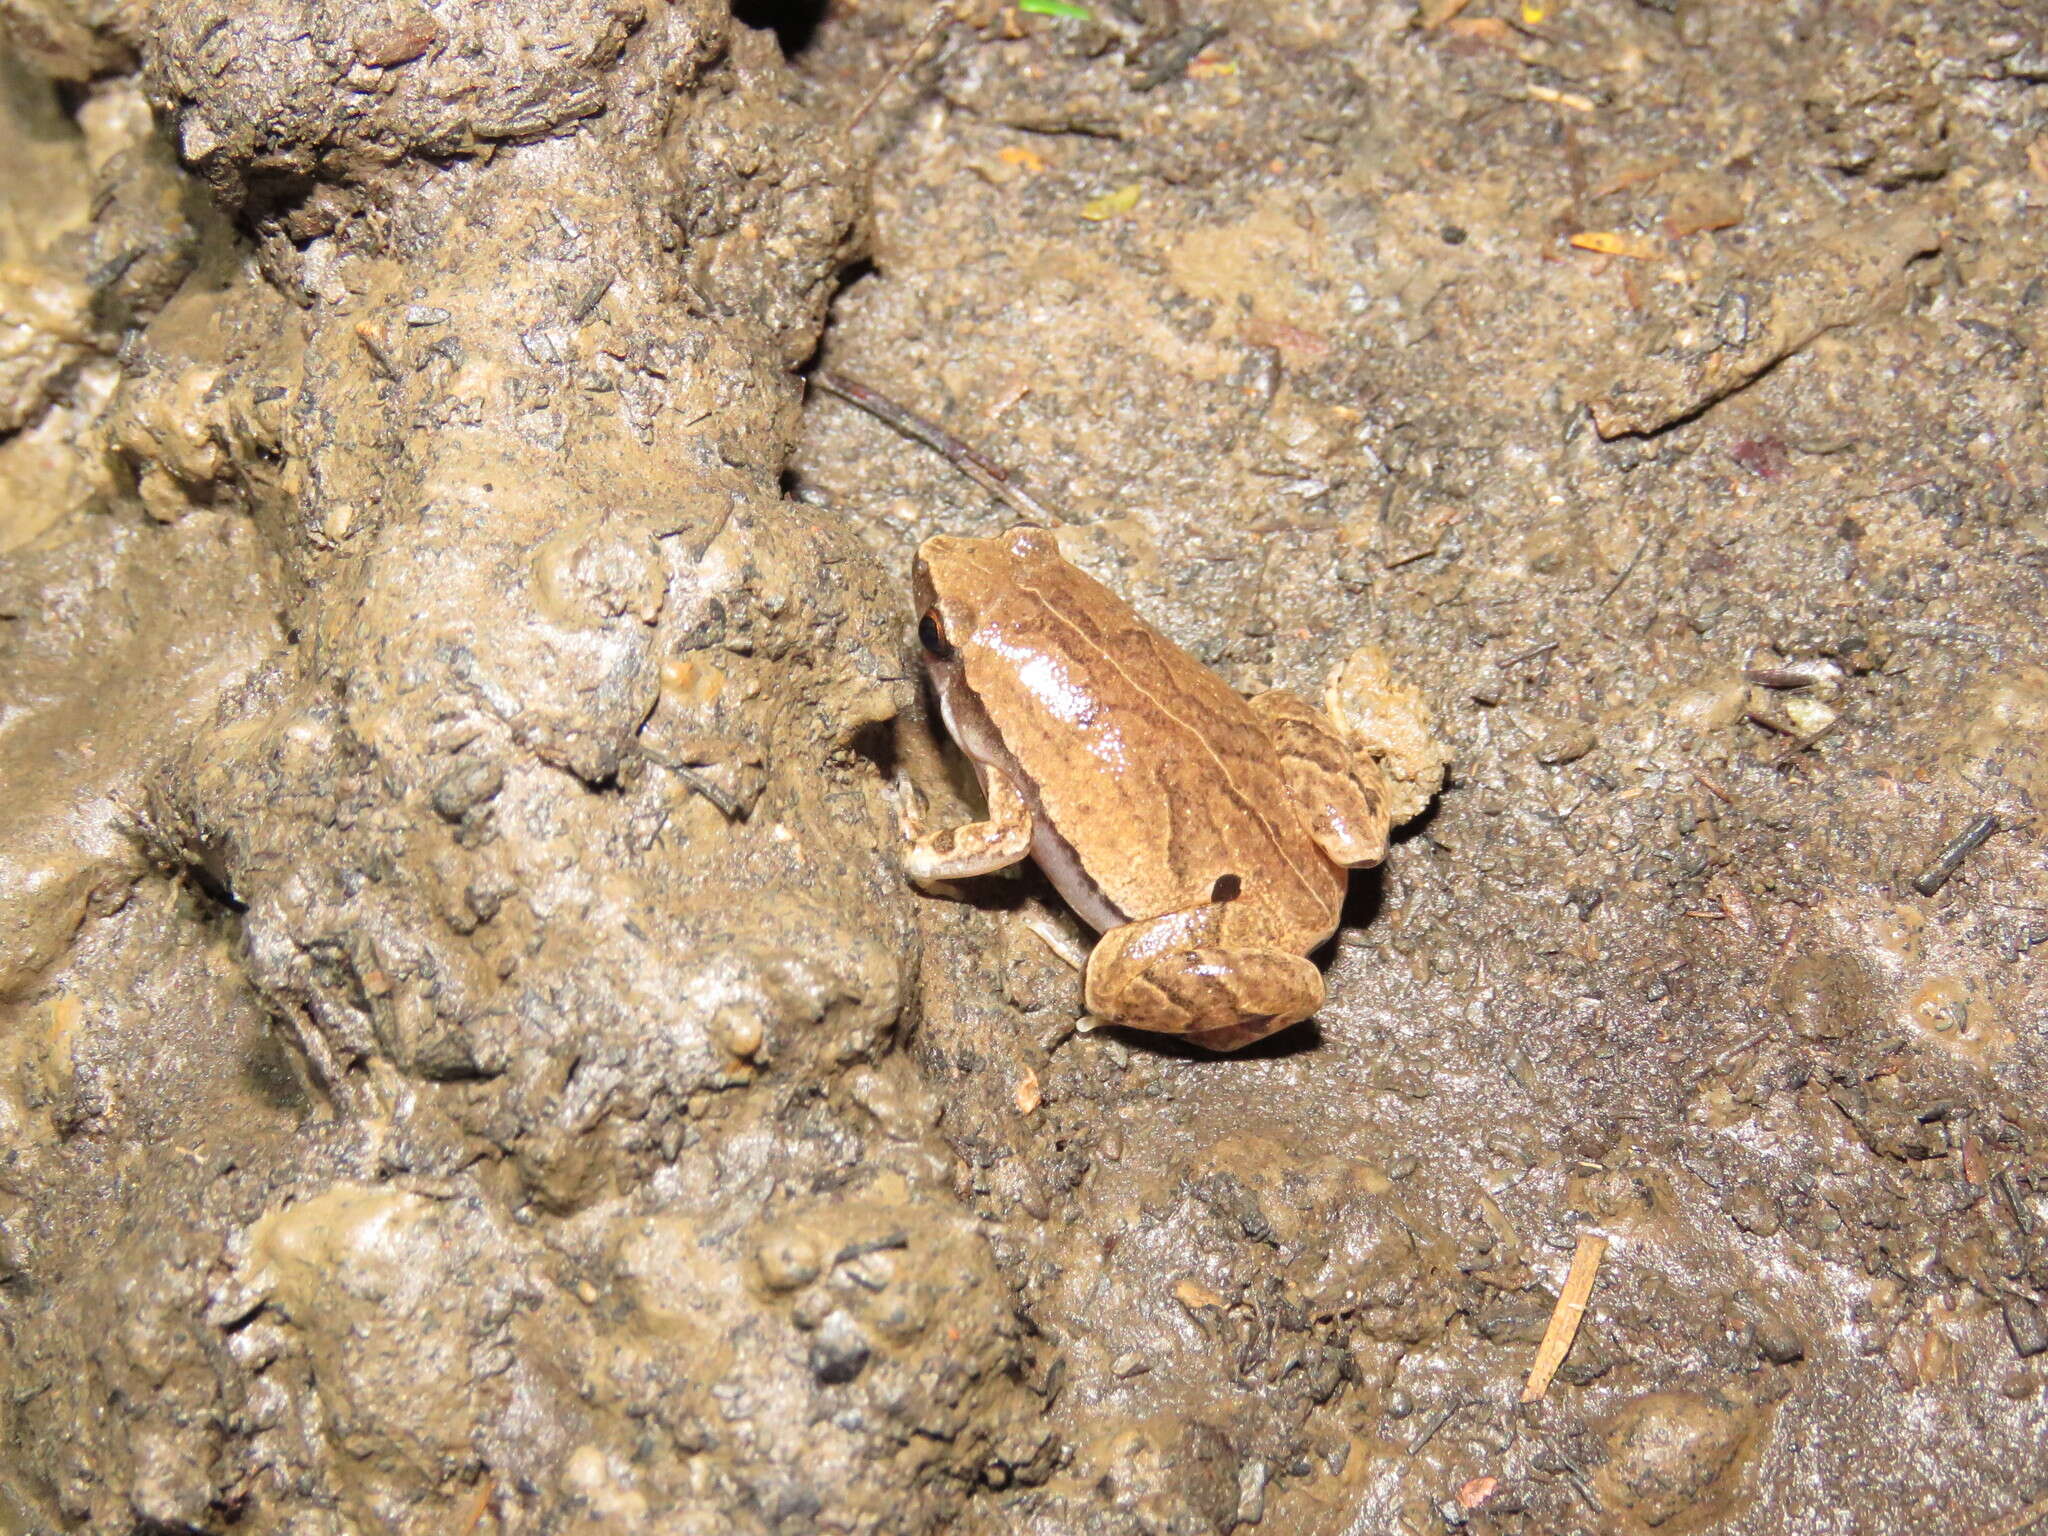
[[1610, 242], [1112, 205]]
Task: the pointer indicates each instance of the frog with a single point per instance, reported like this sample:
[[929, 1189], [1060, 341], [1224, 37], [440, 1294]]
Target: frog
[[1207, 837]]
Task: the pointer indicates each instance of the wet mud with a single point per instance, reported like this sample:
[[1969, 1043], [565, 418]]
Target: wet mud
[[469, 1059]]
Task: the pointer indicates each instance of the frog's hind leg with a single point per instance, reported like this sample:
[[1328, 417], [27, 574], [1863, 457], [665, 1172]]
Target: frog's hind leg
[[1170, 975], [981, 847], [1340, 790]]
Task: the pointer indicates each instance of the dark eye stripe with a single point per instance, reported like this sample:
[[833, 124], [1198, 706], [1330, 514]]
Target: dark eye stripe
[[932, 636]]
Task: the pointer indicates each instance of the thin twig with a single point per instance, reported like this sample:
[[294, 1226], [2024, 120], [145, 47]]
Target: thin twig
[[480, 1503], [1565, 1318], [1714, 789], [729, 806], [1950, 859], [1629, 570], [979, 468], [942, 13], [1810, 739], [1775, 724], [1442, 1417]]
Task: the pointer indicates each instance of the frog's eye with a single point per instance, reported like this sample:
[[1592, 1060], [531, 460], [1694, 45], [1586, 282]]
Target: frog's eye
[[931, 634]]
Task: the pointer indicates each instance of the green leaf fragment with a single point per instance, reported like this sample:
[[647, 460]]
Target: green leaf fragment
[[1056, 8], [1111, 204]]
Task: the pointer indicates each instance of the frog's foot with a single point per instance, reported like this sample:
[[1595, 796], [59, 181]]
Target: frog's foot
[[1339, 787], [981, 847], [1054, 938], [1147, 976]]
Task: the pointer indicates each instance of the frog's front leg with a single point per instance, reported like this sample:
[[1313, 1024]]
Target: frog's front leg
[[1178, 975], [1340, 789], [1000, 839]]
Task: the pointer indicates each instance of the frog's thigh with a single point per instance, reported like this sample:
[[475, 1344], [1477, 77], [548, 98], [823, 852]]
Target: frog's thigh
[[1342, 791], [981, 847], [1160, 975]]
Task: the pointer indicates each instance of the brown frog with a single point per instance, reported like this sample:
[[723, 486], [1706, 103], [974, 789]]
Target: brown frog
[[1208, 837]]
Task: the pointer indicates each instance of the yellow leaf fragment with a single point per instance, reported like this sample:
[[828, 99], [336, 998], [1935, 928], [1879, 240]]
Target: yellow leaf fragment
[[1567, 1315], [1612, 243], [1112, 204], [1570, 99], [1024, 159], [1194, 1295]]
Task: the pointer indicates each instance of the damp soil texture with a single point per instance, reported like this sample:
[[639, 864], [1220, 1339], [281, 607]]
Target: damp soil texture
[[469, 1059]]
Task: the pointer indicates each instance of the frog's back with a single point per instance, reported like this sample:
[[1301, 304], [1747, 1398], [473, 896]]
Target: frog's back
[[1157, 774]]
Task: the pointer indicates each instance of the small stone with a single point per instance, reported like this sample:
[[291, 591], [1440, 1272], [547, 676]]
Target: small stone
[[196, 137], [1809, 714], [1565, 741], [1754, 1209], [840, 1350], [2025, 1326], [425, 314], [466, 786], [1129, 1364], [1251, 1493], [1777, 1342], [787, 1260], [738, 1031]]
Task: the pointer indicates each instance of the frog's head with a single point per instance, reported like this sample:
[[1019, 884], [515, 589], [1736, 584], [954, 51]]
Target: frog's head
[[957, 581]]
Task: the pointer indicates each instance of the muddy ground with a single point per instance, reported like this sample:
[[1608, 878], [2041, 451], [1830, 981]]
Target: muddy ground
[[471, 1063]]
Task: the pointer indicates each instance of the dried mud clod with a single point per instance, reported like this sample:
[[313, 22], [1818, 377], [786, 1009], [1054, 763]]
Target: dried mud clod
[[539, 811]]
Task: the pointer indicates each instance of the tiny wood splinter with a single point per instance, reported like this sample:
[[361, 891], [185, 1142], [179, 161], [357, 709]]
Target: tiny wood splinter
[[1567, 1315]]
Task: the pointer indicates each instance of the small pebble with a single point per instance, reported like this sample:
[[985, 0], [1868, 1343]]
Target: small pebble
[[425, 314], [1565, 742], [2025, 1326], [1251, 1493], [1777, 1342], [840, 1351], [1129, 1364], [1809, 714], [787, 1260]]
